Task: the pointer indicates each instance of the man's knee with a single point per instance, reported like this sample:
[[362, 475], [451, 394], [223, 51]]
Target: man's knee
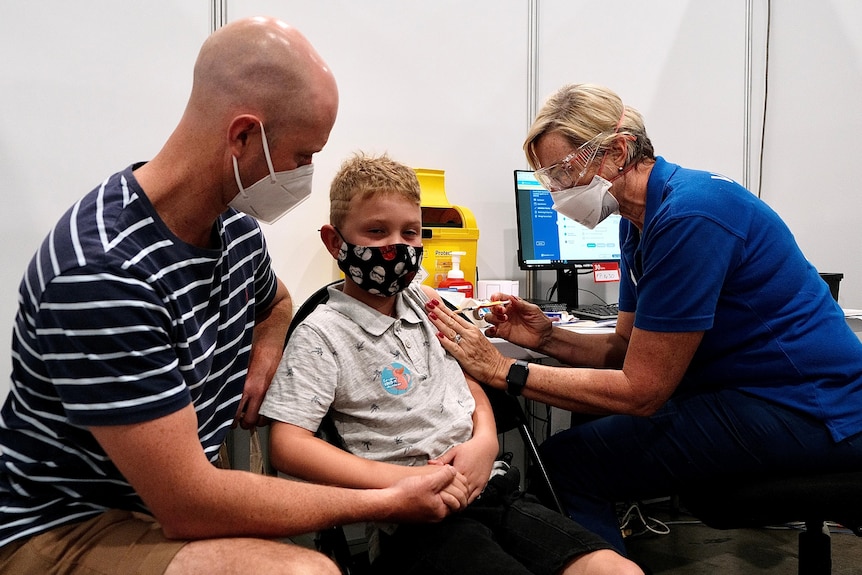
[[246, 555], [310, 562]]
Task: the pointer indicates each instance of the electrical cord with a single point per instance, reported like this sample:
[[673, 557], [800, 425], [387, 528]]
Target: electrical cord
[[594, 294], [765, 97], [553, 290], [634, 523]]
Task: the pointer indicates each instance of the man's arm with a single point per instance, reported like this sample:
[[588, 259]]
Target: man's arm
[[269, 331], [192, 499]]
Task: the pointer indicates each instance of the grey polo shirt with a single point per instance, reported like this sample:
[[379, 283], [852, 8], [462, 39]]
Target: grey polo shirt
[[395, 394]]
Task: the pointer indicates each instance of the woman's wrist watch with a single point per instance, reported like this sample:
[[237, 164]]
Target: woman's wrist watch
[[516, 379]]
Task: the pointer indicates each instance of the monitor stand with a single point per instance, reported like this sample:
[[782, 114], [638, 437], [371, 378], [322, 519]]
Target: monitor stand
[[567, 287], [567, 291]]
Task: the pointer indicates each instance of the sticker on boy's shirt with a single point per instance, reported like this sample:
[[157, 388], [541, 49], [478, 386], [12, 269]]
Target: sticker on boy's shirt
[[396, 379]]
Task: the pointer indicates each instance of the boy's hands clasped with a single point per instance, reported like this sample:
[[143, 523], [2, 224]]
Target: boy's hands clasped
[[472, 459], [431, 496]]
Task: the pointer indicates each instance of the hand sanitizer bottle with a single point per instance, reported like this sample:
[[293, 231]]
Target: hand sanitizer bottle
[[455, 277]]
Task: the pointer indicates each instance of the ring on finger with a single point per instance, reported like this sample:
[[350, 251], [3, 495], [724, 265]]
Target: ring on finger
[[457, 338]]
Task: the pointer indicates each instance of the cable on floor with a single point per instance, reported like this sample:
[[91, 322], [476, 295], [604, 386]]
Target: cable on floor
[[634, 522]]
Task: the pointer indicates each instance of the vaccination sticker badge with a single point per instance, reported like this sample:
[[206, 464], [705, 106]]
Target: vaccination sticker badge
[[396, 379]]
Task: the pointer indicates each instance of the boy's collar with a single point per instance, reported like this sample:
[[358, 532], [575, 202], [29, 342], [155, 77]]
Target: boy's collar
[[372, 321]]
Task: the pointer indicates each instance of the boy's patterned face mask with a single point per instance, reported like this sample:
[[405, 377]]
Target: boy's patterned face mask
[[380, 270]]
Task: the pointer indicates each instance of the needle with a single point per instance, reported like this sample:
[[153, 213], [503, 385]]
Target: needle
[[480, 306]]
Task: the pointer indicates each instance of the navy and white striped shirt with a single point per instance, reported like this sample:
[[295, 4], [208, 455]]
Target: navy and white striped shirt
[[120, 322]]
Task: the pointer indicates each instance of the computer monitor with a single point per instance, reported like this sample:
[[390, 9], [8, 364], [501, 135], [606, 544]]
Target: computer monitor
[[551, 241]]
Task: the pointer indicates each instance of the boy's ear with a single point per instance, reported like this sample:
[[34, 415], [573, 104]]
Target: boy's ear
[[331, 239]]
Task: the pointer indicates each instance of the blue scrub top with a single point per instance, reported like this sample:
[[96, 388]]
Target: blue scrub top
[[713, 257]]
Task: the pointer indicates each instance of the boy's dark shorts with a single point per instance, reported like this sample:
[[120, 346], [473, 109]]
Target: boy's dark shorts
[[502, 532]]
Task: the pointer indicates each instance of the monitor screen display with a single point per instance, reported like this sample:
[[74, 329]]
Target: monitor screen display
[[550, 241]]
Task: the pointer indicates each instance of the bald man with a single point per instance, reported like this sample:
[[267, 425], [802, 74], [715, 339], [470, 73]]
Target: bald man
[[150, 320]]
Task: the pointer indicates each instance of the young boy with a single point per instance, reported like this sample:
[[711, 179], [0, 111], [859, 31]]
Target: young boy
[[370, 358]]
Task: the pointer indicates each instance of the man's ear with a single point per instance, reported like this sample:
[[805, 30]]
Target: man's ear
[[239, 130], [331, 239]]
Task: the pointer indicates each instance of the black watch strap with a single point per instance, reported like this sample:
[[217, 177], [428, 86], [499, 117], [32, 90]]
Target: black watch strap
[[516, 379]]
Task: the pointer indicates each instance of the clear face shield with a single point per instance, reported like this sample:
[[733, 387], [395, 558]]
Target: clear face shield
[[570, 170]]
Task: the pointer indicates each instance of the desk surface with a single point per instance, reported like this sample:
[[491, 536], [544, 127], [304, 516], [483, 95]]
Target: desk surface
[[517, 352]]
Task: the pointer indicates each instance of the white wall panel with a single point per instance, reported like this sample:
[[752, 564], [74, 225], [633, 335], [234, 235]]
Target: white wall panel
[[813, 125], [437, 84], [86, 89], [681, 63]]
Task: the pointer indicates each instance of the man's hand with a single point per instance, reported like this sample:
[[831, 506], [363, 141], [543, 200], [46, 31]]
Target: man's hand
[[249, 405], [266, 350], [429, 497]]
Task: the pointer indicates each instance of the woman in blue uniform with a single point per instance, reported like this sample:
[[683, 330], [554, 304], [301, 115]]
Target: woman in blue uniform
[[730, 357]]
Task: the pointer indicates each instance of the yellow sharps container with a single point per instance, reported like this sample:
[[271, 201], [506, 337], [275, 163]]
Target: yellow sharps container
[[445, 229]]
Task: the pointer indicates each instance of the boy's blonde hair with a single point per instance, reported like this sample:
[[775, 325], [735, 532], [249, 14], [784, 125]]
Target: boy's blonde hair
[[364, 176]]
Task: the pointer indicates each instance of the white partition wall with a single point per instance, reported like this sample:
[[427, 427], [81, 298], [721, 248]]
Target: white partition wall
[[681, 63], [86, 88], [435, 83], [89, 87], [813, 125]]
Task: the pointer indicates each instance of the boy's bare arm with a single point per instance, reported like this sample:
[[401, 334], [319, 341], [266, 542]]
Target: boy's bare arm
[[298, 452], [475, 458]]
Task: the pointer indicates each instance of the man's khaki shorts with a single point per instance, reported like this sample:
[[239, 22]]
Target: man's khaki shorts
[[109, 544]]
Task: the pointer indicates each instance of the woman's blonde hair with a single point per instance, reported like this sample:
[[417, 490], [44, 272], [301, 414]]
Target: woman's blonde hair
[[587, 112], [364, 176]]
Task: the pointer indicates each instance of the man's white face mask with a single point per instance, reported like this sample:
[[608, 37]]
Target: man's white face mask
[[588, 205], [274, 195]]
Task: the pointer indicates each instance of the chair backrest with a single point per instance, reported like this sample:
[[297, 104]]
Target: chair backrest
[[327, 429], [318, 297]]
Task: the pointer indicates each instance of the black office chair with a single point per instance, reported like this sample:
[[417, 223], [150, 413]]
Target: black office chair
[[811, 498], [763, 501], [508, 415]]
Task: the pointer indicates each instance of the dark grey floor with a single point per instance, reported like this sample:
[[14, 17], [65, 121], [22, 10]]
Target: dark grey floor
[[692, 548]]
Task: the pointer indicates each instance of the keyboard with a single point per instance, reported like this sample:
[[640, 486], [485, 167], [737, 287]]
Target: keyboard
[[552, 306], [547, 305], [597, 311]]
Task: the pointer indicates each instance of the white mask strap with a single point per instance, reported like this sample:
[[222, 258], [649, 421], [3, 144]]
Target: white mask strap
[[236, 175], [266, 153]]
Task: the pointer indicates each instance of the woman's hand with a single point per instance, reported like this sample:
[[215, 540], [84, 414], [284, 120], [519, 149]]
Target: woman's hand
[[519, 322], [466, 343]]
